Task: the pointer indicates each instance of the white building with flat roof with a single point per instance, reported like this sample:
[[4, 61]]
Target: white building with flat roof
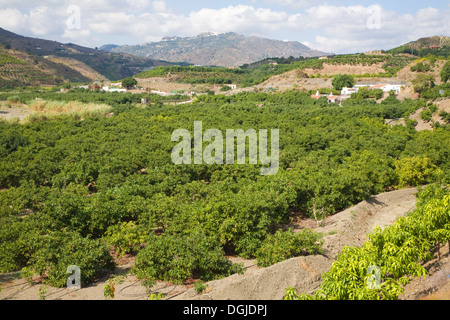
[[108, 89], [348, 91]]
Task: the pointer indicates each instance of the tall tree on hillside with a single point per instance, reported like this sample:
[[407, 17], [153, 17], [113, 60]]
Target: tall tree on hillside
[[343, 80], [129, 82]]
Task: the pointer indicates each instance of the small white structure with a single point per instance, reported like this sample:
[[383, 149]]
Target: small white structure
[[160, 93], [385, 87], [392, 87], [348, 91], [108, 89]]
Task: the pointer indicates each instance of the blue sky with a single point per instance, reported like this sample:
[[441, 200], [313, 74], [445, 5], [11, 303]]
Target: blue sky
[[343, 26]]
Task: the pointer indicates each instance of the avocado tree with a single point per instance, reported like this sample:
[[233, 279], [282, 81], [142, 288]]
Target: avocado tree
[[129, 82], [343, 80]]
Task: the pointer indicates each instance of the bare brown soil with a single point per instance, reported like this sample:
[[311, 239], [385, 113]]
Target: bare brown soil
[[79, 66], [330, 69], [169, 85], [436, 285], [443, 104], [13, 111], [407, 75]]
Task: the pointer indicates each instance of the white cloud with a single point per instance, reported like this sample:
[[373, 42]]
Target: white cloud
[[138, 4], [160, 7], [291, 4], [241, 19], [344, 29], [13, 19]]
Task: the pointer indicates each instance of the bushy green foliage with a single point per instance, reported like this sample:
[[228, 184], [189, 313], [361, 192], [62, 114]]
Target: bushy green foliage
[[445, 72], [396, 251], [436, 91], [343, 80], [284, 245], [57, 250], [200, 287], [426, 115], [93, 177], [423, 82], [416, 171], [126, 237], [420, 67], [129, 82], [177, 258]]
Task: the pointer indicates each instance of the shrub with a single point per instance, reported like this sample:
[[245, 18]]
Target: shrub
[[248, 245], [126, 237], [129, 82], [343, 80], [177, 258], [445, 73], [416, 171], [58, 250], [200, 286], [13, 99], [426, 115], [423, 82], [286, 244], [433, 108], [16, 239], [420, 67]]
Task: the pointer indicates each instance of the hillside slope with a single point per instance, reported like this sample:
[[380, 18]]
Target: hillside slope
[[18, 68], [113, 66], [437, 45]]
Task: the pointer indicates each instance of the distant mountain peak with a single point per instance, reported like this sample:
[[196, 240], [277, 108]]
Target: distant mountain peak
[[208, 34], [218, 49]]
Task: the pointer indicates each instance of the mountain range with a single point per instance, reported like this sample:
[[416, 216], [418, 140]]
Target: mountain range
[[214, 49]]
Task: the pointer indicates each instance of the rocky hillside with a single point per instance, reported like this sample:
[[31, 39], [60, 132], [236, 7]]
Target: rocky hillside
[[437, 45], [52, 61], [212, 49]]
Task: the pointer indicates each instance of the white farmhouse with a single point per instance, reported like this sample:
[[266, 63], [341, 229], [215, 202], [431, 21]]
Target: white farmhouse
[[392, 87], [108, 89], [348, 91]]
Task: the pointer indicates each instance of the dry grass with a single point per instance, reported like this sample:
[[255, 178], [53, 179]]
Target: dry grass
[[43, 109]]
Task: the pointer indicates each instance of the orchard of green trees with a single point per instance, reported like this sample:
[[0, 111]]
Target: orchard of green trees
[[71, 189]]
